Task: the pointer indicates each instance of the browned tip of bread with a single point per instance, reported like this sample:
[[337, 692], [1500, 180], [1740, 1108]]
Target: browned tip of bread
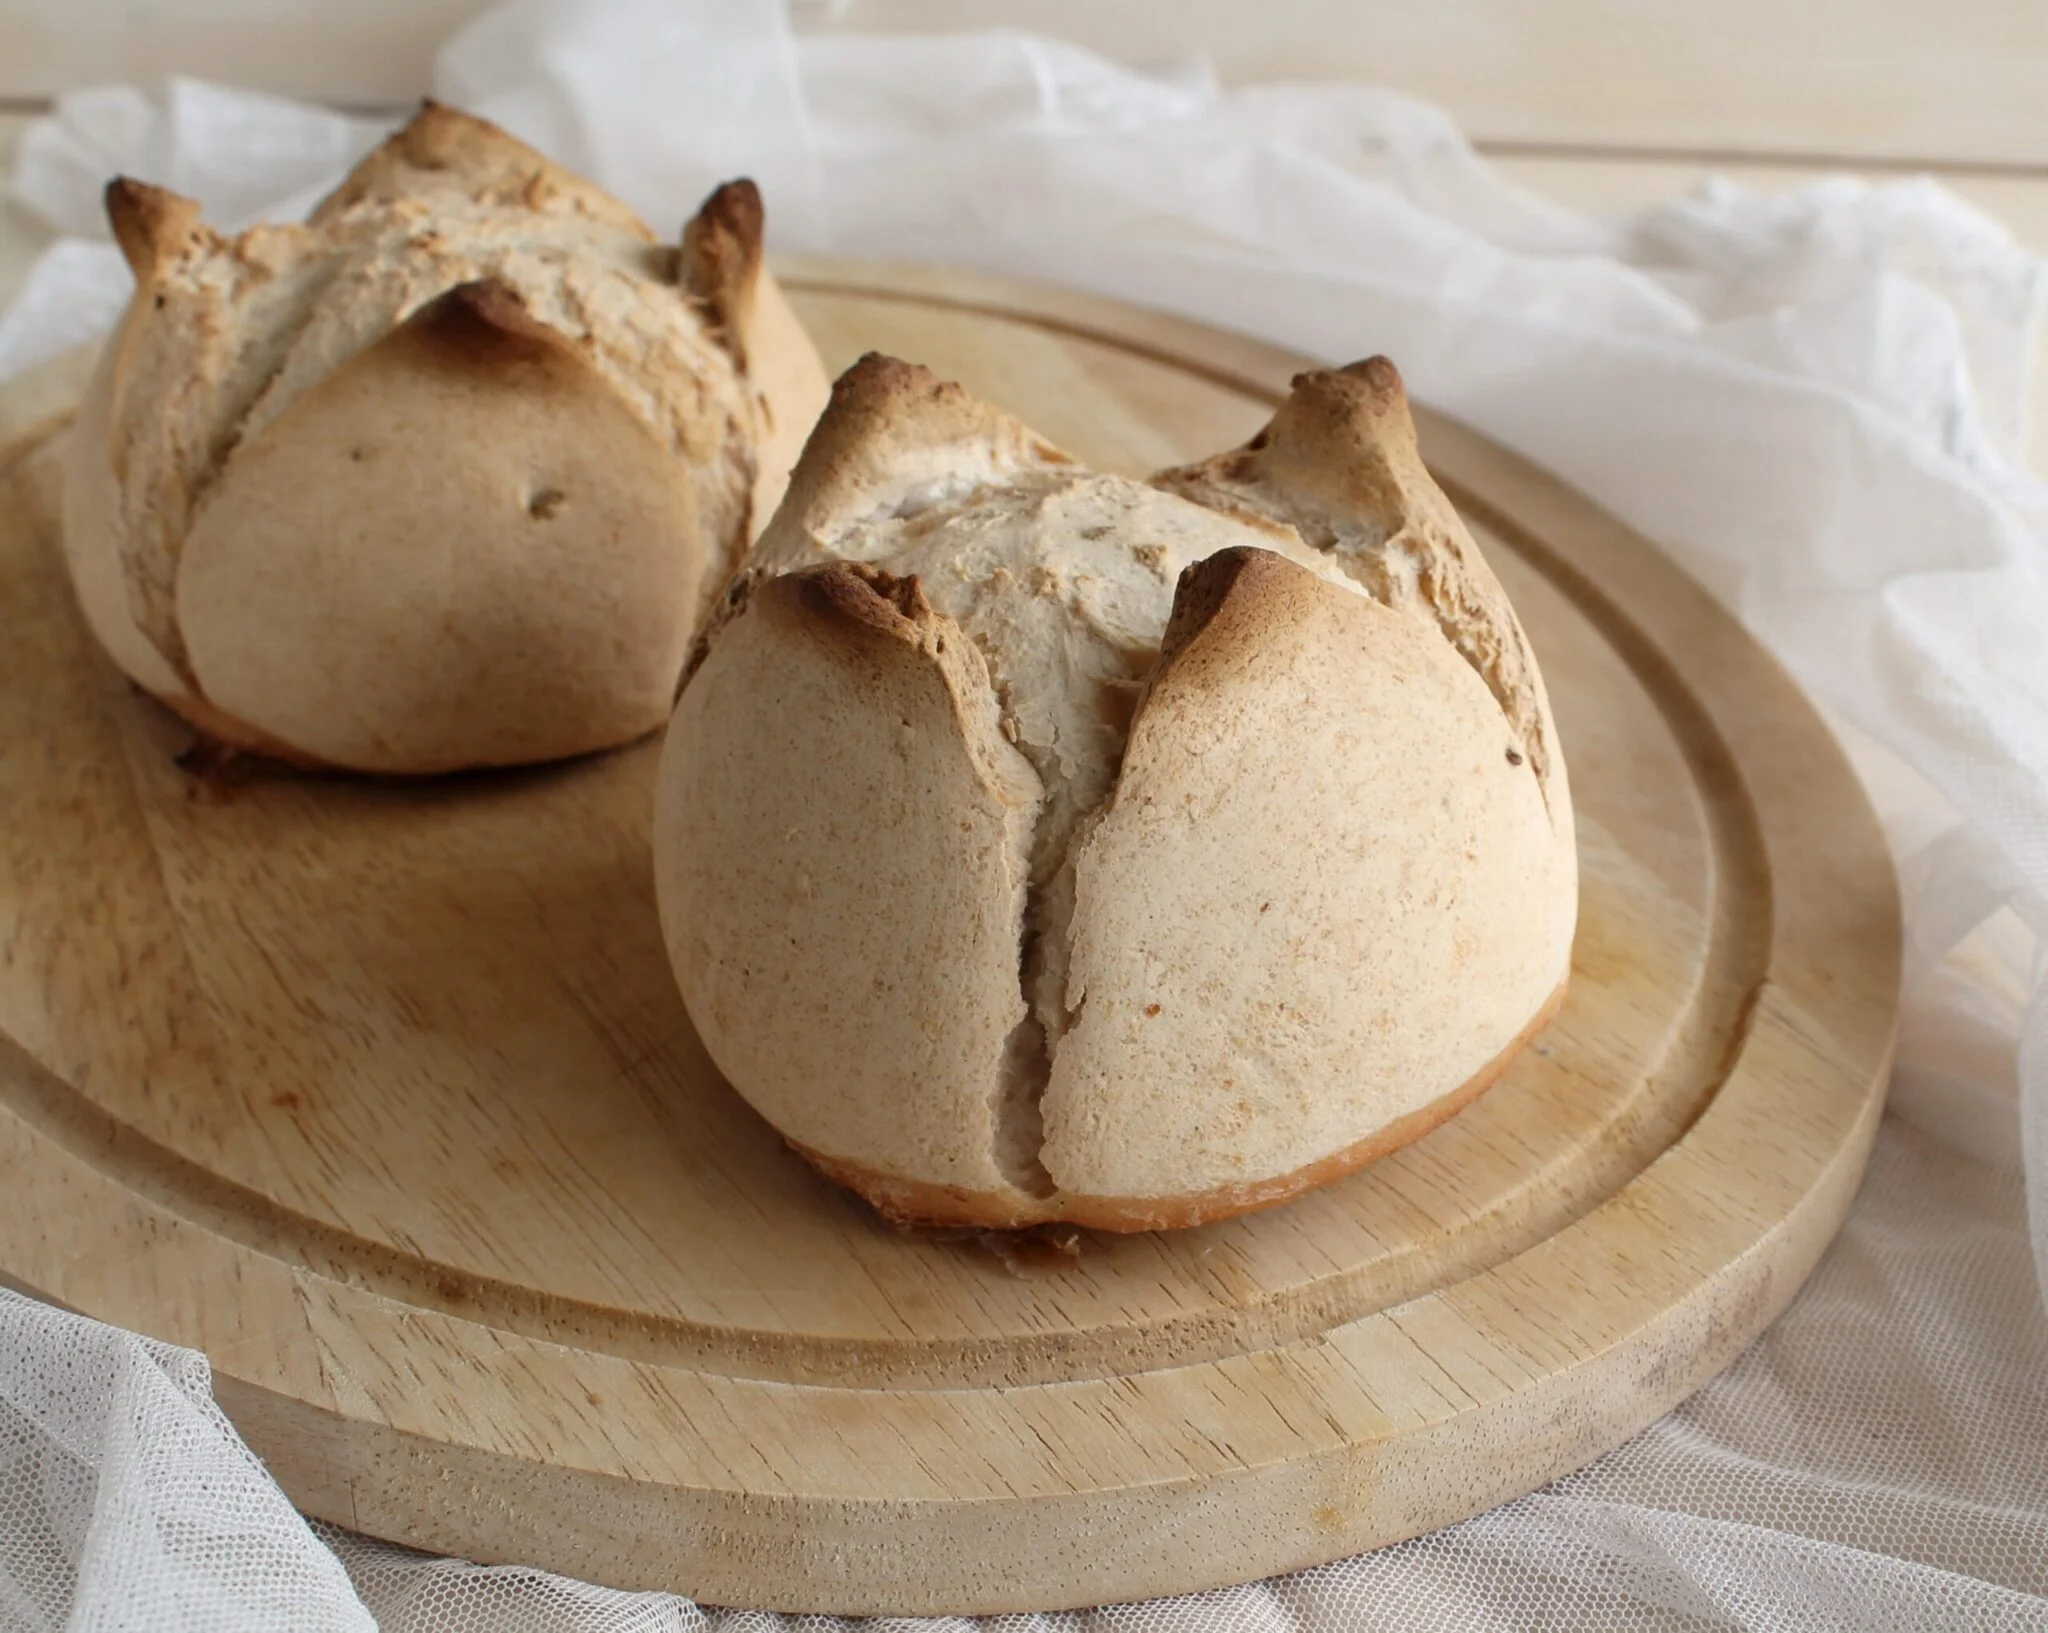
[[479, 328], [491, 164], [151, 224], [1339, 462], [721, 261], [439, 137], [885, 398], [1345, 433], [733, 218], [885, 394], [889, 425], [839, 601], [1371, 381], [498, 306], [1361, 403], [1202, 590], [878, 383], [864, 595], [1226, 608], [837, 598]]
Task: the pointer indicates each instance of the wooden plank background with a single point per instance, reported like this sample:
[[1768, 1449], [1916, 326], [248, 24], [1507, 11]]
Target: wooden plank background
[[1600, 104], [1964, 82]]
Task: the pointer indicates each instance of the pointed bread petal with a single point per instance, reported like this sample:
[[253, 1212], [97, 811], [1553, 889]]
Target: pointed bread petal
[[1323, 906], [841, 846], [1339, 463]]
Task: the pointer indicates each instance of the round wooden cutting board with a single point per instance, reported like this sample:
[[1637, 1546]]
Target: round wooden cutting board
[[381, 1095]]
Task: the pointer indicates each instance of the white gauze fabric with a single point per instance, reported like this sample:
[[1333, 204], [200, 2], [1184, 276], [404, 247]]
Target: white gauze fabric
[[1814, 402]]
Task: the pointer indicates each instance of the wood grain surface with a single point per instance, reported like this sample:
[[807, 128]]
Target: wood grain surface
[[382, 1096]]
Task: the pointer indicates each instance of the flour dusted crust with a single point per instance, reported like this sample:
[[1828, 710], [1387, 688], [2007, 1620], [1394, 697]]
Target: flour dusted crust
[[443, 476], [1038, 844]]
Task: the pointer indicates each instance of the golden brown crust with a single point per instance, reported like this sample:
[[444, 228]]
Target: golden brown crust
[[1368, 392], [477, 319], [1243, 574], [839, 687], [917, 1203], [489, 163], [883, 412], [151, 224], [721, 261], [865, 595], [861, 606], [912, 1202], [882, 400], [451, 611], [439, 137], [1092, 1115], [1339, 463], [874, 396]]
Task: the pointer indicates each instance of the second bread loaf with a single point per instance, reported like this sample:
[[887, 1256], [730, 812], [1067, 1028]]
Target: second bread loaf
[[440, 477]]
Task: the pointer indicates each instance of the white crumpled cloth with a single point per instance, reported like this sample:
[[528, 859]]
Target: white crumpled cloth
[[1813, 401]]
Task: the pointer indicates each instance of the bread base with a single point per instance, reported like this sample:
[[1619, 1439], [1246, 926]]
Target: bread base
[[224, 731], [226, 737], [915, 1202]]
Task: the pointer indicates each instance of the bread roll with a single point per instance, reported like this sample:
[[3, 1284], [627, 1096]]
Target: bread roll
[[1037, 844], [440, 477]]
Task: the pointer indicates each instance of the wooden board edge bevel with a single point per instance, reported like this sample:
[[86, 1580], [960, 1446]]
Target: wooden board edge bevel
[[869, 1559]]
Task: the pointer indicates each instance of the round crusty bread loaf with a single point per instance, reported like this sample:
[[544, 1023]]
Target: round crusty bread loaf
[[1038, 844], [440, 477]]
